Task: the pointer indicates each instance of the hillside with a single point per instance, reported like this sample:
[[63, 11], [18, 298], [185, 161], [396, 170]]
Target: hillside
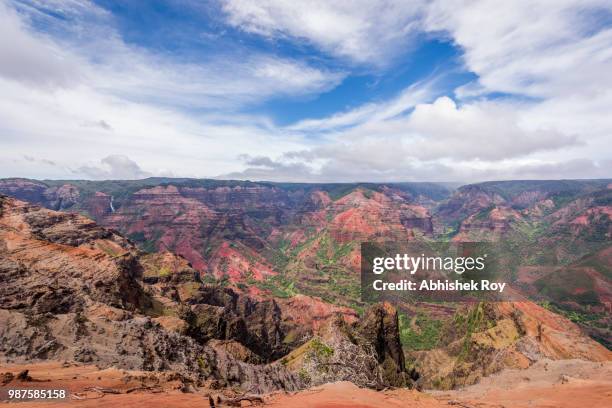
[[255, 288], [73, 291]]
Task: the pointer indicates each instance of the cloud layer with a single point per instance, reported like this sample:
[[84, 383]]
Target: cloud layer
[[362, 31], [80, 101]]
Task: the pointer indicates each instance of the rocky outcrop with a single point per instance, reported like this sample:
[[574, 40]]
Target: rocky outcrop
[[218, 313], [367, 353], [135, 343], [62, 197], [380, 327], [488, 337], [54, 262], [73, 291]]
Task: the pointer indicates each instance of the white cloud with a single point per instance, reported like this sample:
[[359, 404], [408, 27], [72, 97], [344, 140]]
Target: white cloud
[[342, 165], [483, 130], [363, 31], [86, 50], [115, 167], [30, 59], [227, 82], [555, 57], [372, 112], [264, 168], [82, 94], [112, 98], [56, 125], [540, 49]]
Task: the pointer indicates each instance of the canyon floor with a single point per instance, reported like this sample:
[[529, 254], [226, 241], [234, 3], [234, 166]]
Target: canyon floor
[[558, 384]]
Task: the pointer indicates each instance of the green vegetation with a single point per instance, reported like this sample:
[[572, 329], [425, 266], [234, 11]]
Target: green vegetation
[[574, 316], [420, 333], [321, 349], [224, 281], [203, 366], [208, 279], [146, 245], [304, 376], [137, 237], [331, 252], [278, 285], [485, 213], [164, 271], [466, 324], [563, 190]]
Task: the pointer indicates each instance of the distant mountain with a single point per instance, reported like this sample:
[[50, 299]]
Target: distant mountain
[[282, 239], [245, 231]]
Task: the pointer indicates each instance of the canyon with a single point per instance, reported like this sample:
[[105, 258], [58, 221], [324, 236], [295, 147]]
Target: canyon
[[253, 288]]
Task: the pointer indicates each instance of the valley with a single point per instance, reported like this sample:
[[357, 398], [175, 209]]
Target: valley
[[253, 288]]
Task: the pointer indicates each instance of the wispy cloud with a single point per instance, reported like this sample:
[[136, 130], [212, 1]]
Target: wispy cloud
[[372, 112], [371, 32], [34, 60], [75, 92], [81, 47], [66, 88], [114, 167]]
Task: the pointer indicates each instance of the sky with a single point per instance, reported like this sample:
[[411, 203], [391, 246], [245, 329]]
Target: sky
[[306, 91]]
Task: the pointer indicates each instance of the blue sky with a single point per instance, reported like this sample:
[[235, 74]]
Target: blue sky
[[379, 90]]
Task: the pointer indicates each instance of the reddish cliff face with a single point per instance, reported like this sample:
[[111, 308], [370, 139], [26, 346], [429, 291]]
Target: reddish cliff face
[[73, 291], [63, 197], [160, 218], [238, 197], [60, 197], [363, 215], [31, 191], [529, 198], [236, 232], [184, 222], [469, 200], [312, 313], [239, 264], [488, 224], [99, 205], [56, 261]]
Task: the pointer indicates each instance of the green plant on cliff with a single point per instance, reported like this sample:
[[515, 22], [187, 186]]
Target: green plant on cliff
[[304, 376], [321, 349], [465, 325], [279, 285], [420, 333], [203, 365]]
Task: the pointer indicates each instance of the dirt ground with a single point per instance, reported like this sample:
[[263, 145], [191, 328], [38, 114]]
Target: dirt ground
[[547, 384]]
